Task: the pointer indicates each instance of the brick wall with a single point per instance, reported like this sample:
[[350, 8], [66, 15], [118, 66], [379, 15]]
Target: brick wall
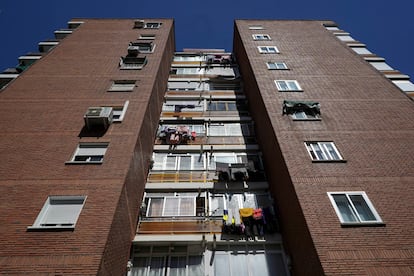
[[371, 123]]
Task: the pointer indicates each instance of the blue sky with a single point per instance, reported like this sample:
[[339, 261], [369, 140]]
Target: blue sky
[[385, 27]]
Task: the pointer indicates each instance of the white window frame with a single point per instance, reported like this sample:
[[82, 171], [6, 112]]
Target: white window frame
[[163, 265], [93, 153], [177, 208], [332, 28], [381, 66], [357, 216], [288, 86], [256, 27], [147, 36], [133, 65], [345, 37], [268, 49], [323, 151], [169, 106], [162, 163], [361, 50], [303, 116], [404, 85], [152, 25], [122, 86], [188, 70], [276, 65], [230, 129], [119, 112], [189, 58], [50, 217], [261, 37]]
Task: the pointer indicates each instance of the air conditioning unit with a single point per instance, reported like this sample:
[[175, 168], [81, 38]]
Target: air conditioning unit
[[139, 24], [98, 117]]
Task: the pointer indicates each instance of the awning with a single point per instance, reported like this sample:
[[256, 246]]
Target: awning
[[290, 107]]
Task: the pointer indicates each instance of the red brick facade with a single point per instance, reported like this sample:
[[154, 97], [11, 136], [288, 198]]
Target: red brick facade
[[42, 119], [371, 122]]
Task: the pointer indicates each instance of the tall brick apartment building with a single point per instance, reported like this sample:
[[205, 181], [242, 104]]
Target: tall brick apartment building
[[291, 155]]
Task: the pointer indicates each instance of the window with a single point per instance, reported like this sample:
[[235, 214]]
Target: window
[[132, 63], [276, 65], [60, 212], [303, 115], [230, 129], [323, 151], [288, 86], [140, 47], [268, 49], [147, 36], [89, 153], [256, 27], [332, 28], [122, 86], [171, 206], [186, 71], [361, 50], [261, 37], [161, 262], [189, 58], [345, 38], [223, 106], [179, 162], [119, 112], [354, 208], [236, 262], [404, 85], [183, 106], [152, 25], [188, 85], [381, 66], [302, 110], [233, 203]]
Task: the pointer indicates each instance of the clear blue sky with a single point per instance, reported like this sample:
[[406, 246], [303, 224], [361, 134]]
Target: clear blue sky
[[386, 27]]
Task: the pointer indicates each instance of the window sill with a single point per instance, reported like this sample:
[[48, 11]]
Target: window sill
[[362, 224], [283, 91], [313, 119], [50, 228], [329, 161], [83, 163]]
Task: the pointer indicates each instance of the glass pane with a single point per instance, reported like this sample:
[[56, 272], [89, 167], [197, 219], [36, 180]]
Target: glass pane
[[221, 106], [177, 266], [158, 161], [282, 85], [317, 150], [195, 266], [275, 264], [221, 264], [155, 207], [185, 163], [258, 265], [170, 163], [187, 206], [362, 208], [216, 205], [331, 150], [171, 207], [231, 106], [344, 208], [139, 267], [249, 201], [157, 266], [293, 85], [198, 161], [239, 265]]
